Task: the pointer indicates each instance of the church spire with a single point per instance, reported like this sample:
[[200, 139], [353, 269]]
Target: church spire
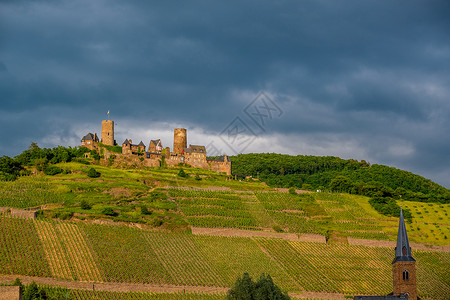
[[402, 251]]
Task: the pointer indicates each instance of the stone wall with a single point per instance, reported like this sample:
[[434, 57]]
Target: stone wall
[[25, 214], [10, 293], [220, 166]]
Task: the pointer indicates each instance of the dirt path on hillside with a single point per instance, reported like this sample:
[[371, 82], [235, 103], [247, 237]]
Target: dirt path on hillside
[[112, 286], [227, 232], [392, 244], [137, 287]]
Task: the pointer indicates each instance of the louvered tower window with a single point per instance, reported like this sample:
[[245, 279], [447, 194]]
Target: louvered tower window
[[405, 275]]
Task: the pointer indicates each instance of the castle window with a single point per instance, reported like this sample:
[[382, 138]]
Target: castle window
[[405, 275]]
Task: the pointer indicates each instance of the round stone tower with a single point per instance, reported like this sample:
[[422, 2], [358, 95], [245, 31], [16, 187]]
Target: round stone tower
[[108, 132], [179, 140]]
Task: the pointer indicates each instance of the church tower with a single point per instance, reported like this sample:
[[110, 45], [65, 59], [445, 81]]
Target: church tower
[[404, 265]]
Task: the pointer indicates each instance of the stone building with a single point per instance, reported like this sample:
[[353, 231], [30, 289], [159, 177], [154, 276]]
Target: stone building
[[403, 269], [90, 141], [220, 165], [194, 155], [155, 146], [129, 148]]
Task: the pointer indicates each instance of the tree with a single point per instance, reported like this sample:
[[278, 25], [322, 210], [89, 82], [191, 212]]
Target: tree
[[341, 184], [264, 289], [182, 173], [9, 168], [242, 289]]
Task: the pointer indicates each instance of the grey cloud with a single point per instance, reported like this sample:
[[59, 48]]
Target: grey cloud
[[368, 71]]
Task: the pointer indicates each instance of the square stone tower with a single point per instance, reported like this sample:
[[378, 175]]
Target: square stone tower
[[108, 132], [179, 140]]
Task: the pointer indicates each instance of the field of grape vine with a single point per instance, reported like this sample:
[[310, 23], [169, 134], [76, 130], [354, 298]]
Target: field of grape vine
[[144, 238], [112, 253]]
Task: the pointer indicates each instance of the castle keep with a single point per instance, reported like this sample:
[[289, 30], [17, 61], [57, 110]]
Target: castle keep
[[108, 133], [179, 140], [156, 155]]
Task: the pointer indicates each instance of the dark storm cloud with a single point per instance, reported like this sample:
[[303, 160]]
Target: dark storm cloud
[[374, 73]]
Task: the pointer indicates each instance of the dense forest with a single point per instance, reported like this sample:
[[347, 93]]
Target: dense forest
[[336, 174]]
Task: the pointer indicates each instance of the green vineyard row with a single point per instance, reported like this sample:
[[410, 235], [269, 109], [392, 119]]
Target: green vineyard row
[[105, 253]]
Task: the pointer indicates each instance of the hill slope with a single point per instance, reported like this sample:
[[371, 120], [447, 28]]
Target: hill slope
[[77, 238], [318, 172]]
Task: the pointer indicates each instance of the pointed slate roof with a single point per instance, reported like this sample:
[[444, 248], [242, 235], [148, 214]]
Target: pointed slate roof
[[141, 144], [155, 142], [88, 136], [126, 142], [403, 250]]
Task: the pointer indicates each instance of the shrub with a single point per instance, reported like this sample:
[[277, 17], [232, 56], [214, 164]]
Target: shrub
[[156, 222], [17, 282], [63, 215], [181, 173], [307, 187], [292, 190], [95, 155], [7, 177], [156, 195], [52, 170], [111, 159], [92, 173], [85, 205], [109, 212], [277, 228], [388, 207], [197, 177], [145, 211], [32, 291]]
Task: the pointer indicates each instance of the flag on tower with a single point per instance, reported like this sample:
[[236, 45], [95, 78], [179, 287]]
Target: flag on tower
[[108, 112]]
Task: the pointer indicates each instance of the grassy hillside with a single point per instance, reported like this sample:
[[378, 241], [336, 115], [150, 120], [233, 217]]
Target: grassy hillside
[[158, 198], [77, 238]]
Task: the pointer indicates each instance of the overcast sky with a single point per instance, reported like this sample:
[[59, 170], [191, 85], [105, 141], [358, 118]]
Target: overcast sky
[[355, 79]]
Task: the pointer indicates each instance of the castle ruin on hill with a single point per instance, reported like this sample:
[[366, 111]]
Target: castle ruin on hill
[[155, 155]]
